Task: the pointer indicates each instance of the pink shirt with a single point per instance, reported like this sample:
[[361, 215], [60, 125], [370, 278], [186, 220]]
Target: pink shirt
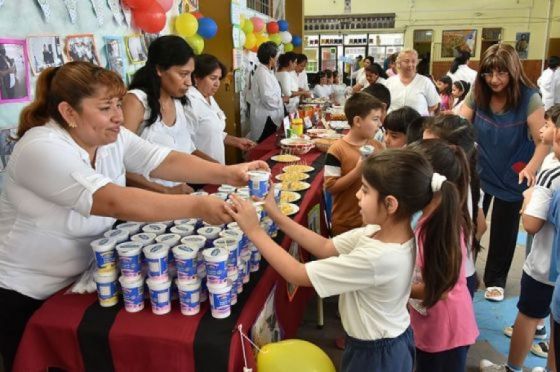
[[451, 322]]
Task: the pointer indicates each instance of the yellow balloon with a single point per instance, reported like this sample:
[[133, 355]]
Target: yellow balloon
[[276, 39], [186, 25], [288, 47], [196, 42], [247, 26], [250, 41], [261, 38], [293, 355]]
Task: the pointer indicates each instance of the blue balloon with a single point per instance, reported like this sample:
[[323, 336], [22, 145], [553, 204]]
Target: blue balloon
[[207, 28], [283, 25], [296, 40]]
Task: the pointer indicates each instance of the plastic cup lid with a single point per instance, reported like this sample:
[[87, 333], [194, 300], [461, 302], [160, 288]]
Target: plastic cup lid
[[156, 250], [103, 244]]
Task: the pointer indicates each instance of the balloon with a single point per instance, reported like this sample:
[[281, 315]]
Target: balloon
[[247, 26], [258, 24], [197, 15], [288, 47], [186, 24], [272, 27], [255, 49], [138, 4], [283, 25], [196, 42], [242, 38], [286, 37], [296, 40], [151, 20], [293, 355], [275, 38], [165, 4], [250, 41], [261, 38], [207, 28]]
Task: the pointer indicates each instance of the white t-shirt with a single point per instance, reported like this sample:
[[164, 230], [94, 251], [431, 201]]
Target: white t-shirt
[[464, 73], [322, 91], [208, 126], [537, 263], [360, 76], [549, 84], [177, 137], [379, 80], [266, 101], [45, 221], [373, 279], [420, 94], [288, 84], [302, 80]]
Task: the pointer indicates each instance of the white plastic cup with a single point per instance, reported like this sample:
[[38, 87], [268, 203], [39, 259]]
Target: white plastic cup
[[232, 278], [234, 234], [106, 283], [189, 296], [194, 241], [117, 235], [155, 228], [258, 183], [200, 269], [185, 262], [186, 221], [160, 296], [216, 266], [203, 290], [242, 189], [220, 195], [130, 260], [210, 233], [131, 227], [156, 257], [228, 189], [246, 259], [220, 300], [144, 238], [277, 192], [240, 273], [233, 225], [133, 293], [104, 250], [168, 224], [232, 246], [182, 229]]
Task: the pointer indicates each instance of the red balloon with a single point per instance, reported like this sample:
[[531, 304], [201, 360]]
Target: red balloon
[[197, 15], [151, 20], [138, 4], [272, 28]]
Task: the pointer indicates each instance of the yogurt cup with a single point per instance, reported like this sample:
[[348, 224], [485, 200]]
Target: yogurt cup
[[200, 269], [216, 266], [232, 246], [221, 195], [242, 189], [240, 273], [366, 150], [156, 257], [168, 224], [144, 238], [210, 233], [160, 296], [255, 261], [233, 225], [258, 183], [106, 283], [232, 278], [131, 227], [130, 260], [117, 235], [234, 234], [187, 221], [133, 293], [220, 300], [104, 250], [155, 228], [182, 230], [203, 290], [246, 260], [185, 262], [228, 189], [277, 192], [199, 193], [194, 241], [189, 296], [170, 239]]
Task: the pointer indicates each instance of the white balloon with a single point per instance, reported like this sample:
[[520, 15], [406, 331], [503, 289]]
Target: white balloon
[[286, 37], [242, 38]]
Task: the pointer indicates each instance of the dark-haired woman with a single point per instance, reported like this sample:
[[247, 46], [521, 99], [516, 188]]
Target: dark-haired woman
[[507, 113], [155, 106], [460, 69], [208, 126], [549, 83], [65, 186]]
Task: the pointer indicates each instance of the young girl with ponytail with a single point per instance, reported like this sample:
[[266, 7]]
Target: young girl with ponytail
[[443, 321], [370, 267]]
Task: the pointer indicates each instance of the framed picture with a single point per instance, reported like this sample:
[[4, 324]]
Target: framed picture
[[148, 38], [81, 48], [7, 143], [522, 44], [136, 49], [453, 42], [116, 55], [44, 51], [14, 69]]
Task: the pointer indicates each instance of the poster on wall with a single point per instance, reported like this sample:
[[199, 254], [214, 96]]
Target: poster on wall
[[188, 6], [44, 51], [522, 44], [7, 144], [455, 41], [81, 47], [116, 55], [136, 49], [14, 80]]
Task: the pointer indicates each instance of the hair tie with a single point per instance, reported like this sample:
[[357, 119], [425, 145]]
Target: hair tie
[[437, 181]]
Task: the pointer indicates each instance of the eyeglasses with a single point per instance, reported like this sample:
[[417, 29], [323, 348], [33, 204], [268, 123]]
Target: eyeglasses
[[499, 74]]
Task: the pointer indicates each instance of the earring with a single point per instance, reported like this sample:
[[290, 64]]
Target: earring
[[72, 124]]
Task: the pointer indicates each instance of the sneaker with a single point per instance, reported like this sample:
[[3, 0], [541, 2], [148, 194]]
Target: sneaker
[[540, 334], [487, 366], [495, 294], [540, 349]]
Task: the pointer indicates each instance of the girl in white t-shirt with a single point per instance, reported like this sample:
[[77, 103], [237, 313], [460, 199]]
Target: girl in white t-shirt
[[370, 267]]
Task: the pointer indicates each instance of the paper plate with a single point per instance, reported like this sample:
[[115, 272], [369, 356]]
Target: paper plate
[[289, 196], [290, 177], [285, 158], [295, 186], [288, 209], [298, 168]]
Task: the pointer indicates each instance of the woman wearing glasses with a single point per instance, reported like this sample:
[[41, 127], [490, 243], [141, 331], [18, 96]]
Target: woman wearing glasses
[[507, 112]]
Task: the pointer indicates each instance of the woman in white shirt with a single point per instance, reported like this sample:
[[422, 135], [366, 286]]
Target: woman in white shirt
[[408, 88], [288, 82], [460, 69], [323, 89], [267, 104], [209, 124], [360, 75], [375, 74], [549, 83], [65, 186]]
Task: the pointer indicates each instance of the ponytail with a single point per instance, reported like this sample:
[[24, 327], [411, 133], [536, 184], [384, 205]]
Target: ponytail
[[37, 113]]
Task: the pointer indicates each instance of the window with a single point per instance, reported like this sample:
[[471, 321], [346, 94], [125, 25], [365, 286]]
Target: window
[[261, 6]]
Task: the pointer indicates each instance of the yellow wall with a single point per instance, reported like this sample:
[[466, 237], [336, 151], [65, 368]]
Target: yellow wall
[[511, 15]]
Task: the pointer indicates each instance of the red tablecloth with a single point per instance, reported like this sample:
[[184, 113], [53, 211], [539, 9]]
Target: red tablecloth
[[263, 148], [74, 333]]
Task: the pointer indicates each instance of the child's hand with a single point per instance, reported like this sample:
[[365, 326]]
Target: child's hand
[[270, 206], [244, 213]]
